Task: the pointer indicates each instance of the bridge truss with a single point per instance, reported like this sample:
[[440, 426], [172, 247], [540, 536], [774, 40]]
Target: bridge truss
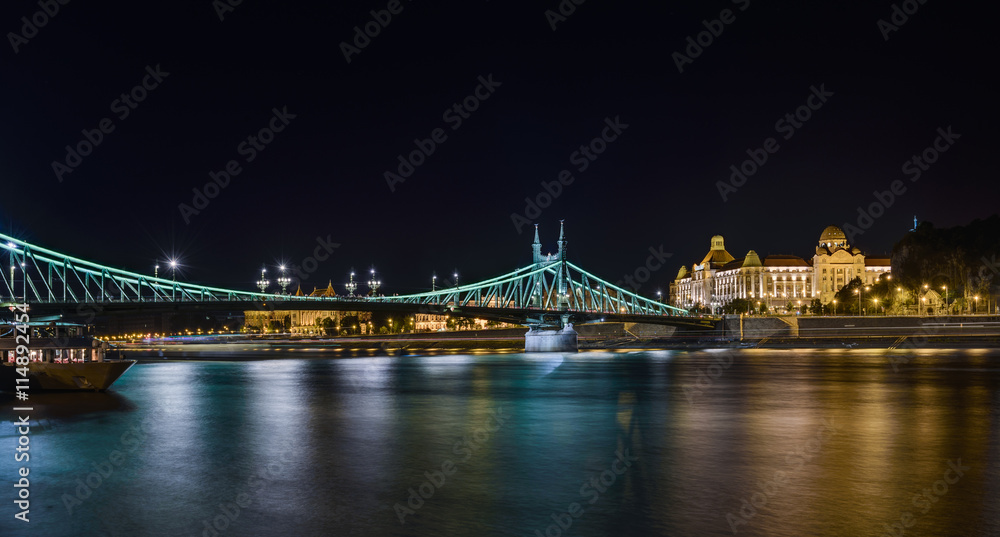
[[546, 288]]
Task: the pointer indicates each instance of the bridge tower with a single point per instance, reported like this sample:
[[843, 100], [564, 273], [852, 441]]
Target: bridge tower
[[536, 248], [563, 299]]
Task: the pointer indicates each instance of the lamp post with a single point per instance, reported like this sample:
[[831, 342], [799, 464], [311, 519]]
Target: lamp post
[[433, 282], [977, 304], [875, 301], [351, 286], [899, 293], [456, 278], [173, 277], [373, 284], [945, 288], [156, 271], [262, 283], [283, 281], [835, 307]]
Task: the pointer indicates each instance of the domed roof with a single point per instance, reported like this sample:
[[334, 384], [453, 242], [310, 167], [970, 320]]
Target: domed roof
[[832, 233], [717, 255]]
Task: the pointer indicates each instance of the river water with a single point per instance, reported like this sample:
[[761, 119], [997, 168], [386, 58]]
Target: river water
[[751, 442]]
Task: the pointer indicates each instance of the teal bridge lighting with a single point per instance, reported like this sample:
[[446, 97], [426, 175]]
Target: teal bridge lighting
[[549, 291]]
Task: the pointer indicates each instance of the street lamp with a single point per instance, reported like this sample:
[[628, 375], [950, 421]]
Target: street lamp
[[262, 283], [156, 271], [945, 288], [835, 307], [456, 279], [977, 304], [858, 292], [173, 277], [433, 282], [373, 284], [875, 301], [351, 286], [899, 291], [659, 298], [283, 281]]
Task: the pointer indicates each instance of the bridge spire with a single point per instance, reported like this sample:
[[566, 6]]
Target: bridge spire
[[536, 248], [563, 299], [562, 242]]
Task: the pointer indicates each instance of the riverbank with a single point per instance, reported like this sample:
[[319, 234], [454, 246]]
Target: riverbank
[[760, 333]]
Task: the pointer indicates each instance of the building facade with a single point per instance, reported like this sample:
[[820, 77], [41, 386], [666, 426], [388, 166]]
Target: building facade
[[776, 280]]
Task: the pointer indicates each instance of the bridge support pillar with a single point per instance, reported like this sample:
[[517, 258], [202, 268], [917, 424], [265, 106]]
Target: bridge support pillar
[[564, 340]]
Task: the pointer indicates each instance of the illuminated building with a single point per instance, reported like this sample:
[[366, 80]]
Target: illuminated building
[[777, 279]]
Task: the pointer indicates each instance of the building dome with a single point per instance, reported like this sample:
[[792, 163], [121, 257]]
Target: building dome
[[832, 233], [717, 255], [833, 237]]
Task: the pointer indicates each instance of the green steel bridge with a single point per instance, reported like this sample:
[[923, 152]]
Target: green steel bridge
[[551, 292]]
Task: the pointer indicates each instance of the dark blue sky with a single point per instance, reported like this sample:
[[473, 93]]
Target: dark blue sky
[[323, 174]]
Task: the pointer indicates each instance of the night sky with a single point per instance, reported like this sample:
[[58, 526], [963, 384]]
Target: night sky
[[550, 91]]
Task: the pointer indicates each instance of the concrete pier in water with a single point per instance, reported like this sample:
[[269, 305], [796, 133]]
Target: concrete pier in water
[[564, 340]]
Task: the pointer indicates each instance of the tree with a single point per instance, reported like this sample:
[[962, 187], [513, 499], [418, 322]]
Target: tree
[[736, 306], [349, 325], [327, 325], [847, 297]]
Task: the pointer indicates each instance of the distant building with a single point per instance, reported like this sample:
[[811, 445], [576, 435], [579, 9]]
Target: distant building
[[305, 322], [777, 279]]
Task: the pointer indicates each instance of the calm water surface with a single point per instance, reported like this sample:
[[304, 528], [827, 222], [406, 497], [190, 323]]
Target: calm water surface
[[754, 442]]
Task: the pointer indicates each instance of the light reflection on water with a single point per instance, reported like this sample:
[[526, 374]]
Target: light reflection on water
[[769, 442]]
